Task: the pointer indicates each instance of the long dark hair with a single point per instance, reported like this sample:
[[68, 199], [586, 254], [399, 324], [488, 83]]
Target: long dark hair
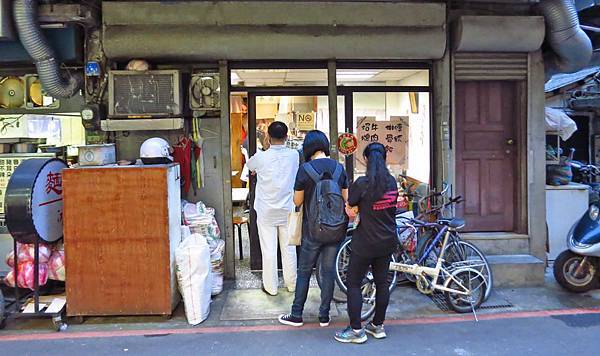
[[377, 172], [315, 141]]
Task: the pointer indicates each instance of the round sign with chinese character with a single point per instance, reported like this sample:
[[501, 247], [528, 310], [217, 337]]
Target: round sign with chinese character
[[34, 200], [347, 143]]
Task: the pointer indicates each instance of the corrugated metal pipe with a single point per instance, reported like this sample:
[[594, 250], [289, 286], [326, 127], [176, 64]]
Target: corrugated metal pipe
[[571, 47], [30, 34]]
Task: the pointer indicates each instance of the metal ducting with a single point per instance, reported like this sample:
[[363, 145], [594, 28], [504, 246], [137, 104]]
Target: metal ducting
[[498, 33], [53, 81], [571, 47]]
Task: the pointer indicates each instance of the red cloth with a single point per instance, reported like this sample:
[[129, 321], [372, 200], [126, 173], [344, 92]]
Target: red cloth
[[182, 154]]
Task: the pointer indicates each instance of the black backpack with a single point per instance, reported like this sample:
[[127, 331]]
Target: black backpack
[[326, 216]]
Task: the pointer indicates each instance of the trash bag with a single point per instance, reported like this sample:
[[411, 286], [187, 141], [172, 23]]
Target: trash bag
[[194, 278]]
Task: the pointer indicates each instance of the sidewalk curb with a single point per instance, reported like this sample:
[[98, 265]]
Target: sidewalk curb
[[259, 328]]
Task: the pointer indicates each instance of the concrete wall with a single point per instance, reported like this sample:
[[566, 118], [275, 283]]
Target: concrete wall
[[536, 167], [273, 29]]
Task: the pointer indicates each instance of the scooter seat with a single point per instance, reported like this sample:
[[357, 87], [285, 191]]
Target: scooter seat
[[452, 223]]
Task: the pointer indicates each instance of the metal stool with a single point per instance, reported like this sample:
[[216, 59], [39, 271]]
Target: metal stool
[[238, 221]]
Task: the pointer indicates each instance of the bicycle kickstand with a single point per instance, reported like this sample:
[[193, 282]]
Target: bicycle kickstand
[[473, 310]]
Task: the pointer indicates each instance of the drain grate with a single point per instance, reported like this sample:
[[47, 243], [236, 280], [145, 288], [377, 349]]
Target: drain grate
[[495, 302]]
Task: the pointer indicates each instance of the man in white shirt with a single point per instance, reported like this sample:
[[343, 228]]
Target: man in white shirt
[[276, 170]]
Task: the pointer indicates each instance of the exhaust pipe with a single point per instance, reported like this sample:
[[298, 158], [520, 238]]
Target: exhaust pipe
[[571, 47], [30, 34]]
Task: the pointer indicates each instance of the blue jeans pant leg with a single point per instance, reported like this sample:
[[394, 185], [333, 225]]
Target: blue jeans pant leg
[[309, 252], [328, 253]]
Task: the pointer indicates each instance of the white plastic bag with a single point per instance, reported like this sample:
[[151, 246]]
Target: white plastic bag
[[217, 250], [557, 120], [194, 277]]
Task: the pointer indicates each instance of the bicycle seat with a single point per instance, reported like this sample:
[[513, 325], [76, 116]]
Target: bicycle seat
[[452, 223]]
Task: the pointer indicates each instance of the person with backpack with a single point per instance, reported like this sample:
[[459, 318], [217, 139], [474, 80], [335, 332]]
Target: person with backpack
[[322, 187], [374, 240]]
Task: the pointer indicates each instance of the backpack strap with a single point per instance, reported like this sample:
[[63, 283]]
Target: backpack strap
[[337, 173], [312, 172]]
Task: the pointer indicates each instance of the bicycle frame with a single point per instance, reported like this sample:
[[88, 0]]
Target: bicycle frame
[[434, 273]]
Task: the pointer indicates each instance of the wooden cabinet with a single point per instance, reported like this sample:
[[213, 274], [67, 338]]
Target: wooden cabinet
[[121, 229]]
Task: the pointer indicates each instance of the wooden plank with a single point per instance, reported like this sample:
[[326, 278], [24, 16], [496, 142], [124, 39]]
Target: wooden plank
[[117, 241]]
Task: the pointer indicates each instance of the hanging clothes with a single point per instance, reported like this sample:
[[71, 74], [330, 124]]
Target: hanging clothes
[[182, 154]]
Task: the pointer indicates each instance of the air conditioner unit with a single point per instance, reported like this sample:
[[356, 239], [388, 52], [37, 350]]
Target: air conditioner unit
[[149, 94], [205, 92]]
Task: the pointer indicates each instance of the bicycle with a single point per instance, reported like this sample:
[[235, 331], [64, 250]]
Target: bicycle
[[462, 284], [456, 249]]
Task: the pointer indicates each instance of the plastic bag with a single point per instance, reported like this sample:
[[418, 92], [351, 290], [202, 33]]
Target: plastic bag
[[10, 259], [27, 253], [26, 273], [557, 120], [217, 250], [194, 277], [559, 174], [56, 265]]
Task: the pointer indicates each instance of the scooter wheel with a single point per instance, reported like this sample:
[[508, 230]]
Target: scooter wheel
[[566, 274]]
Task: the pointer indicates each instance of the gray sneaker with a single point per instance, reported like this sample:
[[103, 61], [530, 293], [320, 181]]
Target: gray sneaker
[[377, 331], [350, 336]]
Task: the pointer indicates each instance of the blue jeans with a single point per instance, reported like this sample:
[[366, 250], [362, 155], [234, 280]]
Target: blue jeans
[[309, 254]]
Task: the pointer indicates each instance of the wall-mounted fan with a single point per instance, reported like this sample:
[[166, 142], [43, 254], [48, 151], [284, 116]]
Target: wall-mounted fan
[[12, 92], [205, 92]]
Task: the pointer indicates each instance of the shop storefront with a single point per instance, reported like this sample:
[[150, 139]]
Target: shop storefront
[[468, 112], [419, 77]]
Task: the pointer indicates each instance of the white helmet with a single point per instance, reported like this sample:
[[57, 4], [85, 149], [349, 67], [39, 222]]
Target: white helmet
[[155, 151]]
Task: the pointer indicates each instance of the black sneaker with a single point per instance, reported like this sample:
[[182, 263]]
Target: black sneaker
[[324, 321], [289, 319]]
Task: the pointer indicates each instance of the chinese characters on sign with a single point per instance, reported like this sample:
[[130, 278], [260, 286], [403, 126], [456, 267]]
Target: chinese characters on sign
[[54, 183], [305, 121], [393, 134]]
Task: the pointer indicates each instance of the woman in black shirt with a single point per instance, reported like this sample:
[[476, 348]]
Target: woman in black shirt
[[376, 197]]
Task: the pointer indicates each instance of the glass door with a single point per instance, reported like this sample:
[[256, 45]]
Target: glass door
[[301, 113]]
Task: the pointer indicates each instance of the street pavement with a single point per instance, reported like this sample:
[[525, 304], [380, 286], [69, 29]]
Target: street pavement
[[535, 333]]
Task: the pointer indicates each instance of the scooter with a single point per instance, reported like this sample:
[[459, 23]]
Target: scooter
[[576, 269]]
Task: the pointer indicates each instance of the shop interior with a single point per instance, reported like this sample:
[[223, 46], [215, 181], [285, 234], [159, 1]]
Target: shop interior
[[387, 105]]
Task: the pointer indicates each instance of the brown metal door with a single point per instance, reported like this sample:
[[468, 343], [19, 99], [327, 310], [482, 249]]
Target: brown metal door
[[486, 153]]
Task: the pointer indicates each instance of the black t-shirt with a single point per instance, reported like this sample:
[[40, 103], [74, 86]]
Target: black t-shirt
[[375, 235], [306, 184]]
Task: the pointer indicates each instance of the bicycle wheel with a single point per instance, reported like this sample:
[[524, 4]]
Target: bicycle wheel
[[343, 260], [339, 295], [473, 282], [459, 250]]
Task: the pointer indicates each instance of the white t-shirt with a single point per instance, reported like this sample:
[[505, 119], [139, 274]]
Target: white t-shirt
[[276, 170]]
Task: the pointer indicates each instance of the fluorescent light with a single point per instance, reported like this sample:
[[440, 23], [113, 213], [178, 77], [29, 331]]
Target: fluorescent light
[[355, 75]]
